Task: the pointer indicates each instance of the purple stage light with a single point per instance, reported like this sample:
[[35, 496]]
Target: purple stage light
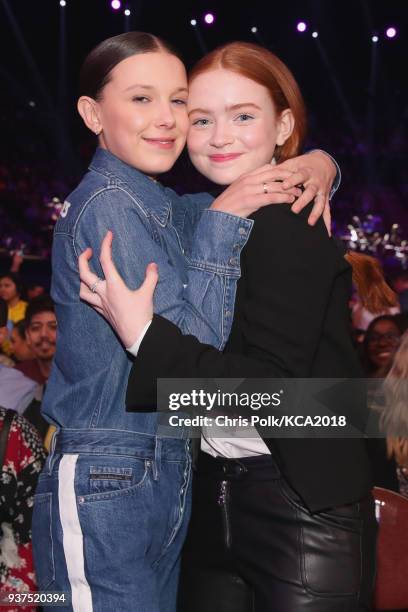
[[301, 26], [391, 32], [209, 18], [115, 4]]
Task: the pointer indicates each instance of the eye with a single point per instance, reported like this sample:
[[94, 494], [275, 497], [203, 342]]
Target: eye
[[141, 99], [201, 122], [179, 102], [244, 117]]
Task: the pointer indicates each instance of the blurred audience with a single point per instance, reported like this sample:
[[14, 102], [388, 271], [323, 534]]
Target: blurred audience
[[380, 343], [22, 457], [394, 419], [20, 349], [41, 335], [11, 290]]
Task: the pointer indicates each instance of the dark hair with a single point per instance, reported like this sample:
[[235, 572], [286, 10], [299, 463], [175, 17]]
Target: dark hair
[[42, 303], [98, 65], [3, 313], [20, 326], [16, 280]]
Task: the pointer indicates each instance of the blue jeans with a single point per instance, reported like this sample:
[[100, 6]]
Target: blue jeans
[[110, 518]]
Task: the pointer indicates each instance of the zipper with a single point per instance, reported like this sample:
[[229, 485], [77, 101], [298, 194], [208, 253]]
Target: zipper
[[223, 503]]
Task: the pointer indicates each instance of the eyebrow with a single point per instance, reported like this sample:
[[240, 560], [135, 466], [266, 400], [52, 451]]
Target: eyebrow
[[228, 108], [150, 87]]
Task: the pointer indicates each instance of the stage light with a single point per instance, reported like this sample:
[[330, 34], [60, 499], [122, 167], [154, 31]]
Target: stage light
[[31, 103], [301, 26], [127, 12], [254, 30], [209, 18], [391, 32], [193, 22], [315, 34], [63, 3], [116, 4], [374, 38]]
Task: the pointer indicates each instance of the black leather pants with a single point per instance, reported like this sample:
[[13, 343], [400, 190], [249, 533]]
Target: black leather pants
[[253, 546]]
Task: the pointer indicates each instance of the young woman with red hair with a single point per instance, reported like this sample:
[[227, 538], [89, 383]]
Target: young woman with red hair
[[283, 524]]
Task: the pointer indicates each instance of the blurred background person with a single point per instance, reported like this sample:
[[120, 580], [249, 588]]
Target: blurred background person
[[41, 335], [20, 349], [22, 457], [378, 298], [379, 346], [11, 290], [394, 418]]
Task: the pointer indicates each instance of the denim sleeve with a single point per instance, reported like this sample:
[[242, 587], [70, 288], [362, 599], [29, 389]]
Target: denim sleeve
[[202, 306]]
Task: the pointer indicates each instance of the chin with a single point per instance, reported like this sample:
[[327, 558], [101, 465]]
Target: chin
[[220, 176]]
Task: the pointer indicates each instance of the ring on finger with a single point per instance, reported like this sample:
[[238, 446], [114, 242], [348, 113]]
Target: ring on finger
[[265, 188], [94, 285]]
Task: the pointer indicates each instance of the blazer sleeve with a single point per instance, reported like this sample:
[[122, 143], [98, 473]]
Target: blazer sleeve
[[289, 268]]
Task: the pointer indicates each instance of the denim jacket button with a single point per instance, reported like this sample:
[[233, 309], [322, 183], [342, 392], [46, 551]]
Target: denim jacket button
[[233, 261], [242, 231]]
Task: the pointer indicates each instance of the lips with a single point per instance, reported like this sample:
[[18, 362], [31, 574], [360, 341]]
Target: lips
[[224, 157], [161, 143]]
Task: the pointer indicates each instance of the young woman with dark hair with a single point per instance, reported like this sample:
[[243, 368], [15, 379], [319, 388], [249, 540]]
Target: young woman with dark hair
[[11, 289], [281, 524], [113, 501]]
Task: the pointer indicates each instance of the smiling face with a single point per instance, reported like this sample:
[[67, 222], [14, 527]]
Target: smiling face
[[141, 116], [382, 342], [41, 335], [234, 127]]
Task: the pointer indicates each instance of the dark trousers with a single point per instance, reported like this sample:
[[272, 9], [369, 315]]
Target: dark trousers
[[252, 545]]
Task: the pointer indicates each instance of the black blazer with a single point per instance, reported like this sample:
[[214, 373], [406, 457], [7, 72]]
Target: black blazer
[[291, 320]]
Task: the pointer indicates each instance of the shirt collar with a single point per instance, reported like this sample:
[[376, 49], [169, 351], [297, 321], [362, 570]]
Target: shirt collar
[[154, 199]]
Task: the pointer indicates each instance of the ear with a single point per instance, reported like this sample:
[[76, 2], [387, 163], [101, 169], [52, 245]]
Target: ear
[[27, 338], [286, 124], [89, 111]]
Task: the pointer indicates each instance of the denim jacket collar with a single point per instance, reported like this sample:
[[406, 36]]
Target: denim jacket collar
[[155, 201]]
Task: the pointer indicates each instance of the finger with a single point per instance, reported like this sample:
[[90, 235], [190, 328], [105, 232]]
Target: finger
[[89, 296], [270, 198], [151, 279], [307, 196], [327, 216], [85, 273], [109, 269], [273, 173], [296, 178], [318, 208]]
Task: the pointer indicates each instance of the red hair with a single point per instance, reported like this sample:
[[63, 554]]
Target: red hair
[[372, 288], [263, 67]]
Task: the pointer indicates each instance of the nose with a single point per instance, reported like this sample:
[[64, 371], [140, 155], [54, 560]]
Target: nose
[[221, 135], [165, 118]]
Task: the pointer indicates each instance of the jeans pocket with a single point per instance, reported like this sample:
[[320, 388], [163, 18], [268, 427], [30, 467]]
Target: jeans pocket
[[103, 479], [332, 553], [43, 549]]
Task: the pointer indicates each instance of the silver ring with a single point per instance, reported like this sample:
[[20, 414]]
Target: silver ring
[[265, 188], [94, 286]]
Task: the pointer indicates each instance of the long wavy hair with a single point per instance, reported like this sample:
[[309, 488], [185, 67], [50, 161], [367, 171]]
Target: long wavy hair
[[394, 420]]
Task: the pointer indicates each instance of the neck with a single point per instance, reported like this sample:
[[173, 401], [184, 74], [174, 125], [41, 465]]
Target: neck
[[13, 302], [45, 367]]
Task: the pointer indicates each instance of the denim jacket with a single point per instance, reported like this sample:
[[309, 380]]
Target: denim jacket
[[198, 254]]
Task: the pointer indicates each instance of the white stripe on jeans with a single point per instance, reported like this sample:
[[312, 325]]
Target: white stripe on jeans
[[73, 541]]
